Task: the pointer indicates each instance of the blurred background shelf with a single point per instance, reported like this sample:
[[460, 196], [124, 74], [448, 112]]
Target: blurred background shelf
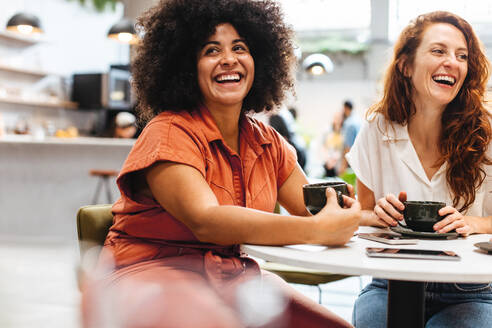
[[24, 71], [39, 103], [15, 38]]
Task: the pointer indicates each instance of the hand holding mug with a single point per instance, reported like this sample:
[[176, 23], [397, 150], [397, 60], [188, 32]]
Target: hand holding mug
[[334, 225], [389, 210], [453, 220], [315, 195]]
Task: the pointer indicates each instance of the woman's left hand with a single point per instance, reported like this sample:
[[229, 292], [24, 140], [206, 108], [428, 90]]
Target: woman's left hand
[[454, 220]]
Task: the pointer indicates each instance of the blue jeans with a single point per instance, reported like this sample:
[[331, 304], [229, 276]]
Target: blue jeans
[[446, 305]]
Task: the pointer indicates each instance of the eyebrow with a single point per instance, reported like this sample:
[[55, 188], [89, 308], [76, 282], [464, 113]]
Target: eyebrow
[[445, 46], [218, 43]]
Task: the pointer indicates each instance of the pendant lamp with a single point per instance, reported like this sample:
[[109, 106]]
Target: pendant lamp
[[24, 23], [318, 64], [124, 31]]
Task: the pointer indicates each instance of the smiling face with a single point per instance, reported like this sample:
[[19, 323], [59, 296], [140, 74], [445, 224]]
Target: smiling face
[[225, 68], [440, 66]]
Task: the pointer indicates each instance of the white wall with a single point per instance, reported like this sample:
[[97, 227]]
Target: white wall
[[75, 35]]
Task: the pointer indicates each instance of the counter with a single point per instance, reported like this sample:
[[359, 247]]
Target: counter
[[89, 141], [44, 181]]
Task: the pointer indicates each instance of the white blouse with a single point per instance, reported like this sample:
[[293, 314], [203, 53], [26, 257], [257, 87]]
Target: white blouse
[[384, 159]]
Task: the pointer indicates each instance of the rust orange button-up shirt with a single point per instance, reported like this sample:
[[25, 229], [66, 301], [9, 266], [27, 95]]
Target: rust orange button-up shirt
[[250, 178]]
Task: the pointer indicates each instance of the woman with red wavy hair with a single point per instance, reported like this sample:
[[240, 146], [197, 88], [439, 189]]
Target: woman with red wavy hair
[[428, 138]]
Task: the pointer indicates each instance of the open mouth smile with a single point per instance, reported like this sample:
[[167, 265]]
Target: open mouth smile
[[444, 79], [228, 78]]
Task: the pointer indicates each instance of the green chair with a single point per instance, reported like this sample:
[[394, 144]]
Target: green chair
[[94, 221], [349, 177]]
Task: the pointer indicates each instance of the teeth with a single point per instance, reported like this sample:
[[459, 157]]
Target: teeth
[[228, 77], [444, 79]]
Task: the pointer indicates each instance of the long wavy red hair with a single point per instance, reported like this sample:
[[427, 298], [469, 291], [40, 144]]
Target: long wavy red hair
[[466, 129]]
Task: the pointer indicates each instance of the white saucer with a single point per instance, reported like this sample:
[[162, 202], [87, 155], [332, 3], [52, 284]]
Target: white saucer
[[485, 246]]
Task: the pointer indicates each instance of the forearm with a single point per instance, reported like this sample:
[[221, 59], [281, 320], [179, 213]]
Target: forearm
[[367, 201], [198, 208], [479, 224], [227, 225], [368, 218]]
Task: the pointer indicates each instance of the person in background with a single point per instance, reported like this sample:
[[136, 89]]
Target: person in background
[[125, 125], [332, 148], [429, 138], [351, 124], [204, 177], [284, 122], [293, 112]]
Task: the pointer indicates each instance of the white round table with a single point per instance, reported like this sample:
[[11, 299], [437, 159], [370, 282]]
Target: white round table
[[406, 276]]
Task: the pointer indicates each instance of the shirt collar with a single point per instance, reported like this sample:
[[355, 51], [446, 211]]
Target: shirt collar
[[209, 127], [249, 130], [392, 131], [253, 134]]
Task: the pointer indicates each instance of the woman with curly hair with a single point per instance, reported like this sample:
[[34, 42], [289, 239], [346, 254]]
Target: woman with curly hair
[[204, 177], [429, 139]]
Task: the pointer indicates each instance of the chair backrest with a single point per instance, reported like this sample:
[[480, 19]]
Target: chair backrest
[[93, 223]]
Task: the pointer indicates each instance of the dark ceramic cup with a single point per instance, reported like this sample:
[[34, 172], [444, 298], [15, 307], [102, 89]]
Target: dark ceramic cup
[[422, 215], [315, 194]]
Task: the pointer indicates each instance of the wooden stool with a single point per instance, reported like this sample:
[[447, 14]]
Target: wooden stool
[[104, 176]]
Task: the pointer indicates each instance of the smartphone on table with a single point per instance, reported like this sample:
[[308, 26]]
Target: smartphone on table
[[421, 254], [388, 238]]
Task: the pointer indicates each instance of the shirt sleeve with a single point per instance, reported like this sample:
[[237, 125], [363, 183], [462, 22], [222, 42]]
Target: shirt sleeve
[[359, 156], [162, 140]]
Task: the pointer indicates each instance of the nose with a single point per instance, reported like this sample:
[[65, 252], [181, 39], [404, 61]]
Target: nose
[[451, 61], [228, 58]]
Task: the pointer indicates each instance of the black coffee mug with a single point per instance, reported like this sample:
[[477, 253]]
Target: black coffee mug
[[315, 194], [422, 215]]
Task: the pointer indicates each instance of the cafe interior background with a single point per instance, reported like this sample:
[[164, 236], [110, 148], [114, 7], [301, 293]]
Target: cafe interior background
[[51, 139]]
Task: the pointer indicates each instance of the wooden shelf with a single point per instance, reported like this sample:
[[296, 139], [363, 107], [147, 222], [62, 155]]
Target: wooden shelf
[[20, 39], [24, 71], [46, 104]]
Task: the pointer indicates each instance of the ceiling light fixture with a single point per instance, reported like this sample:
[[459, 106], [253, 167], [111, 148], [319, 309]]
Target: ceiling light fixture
[[24, 23], [317, 64], [124, 32]]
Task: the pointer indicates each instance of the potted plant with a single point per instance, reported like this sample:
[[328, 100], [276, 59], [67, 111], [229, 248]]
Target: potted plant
[[100, 5]]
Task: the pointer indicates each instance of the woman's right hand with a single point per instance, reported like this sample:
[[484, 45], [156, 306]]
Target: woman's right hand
[[334, 226], [389, 209]]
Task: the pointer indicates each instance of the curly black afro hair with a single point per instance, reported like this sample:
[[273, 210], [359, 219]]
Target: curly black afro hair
[[165, 68]]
